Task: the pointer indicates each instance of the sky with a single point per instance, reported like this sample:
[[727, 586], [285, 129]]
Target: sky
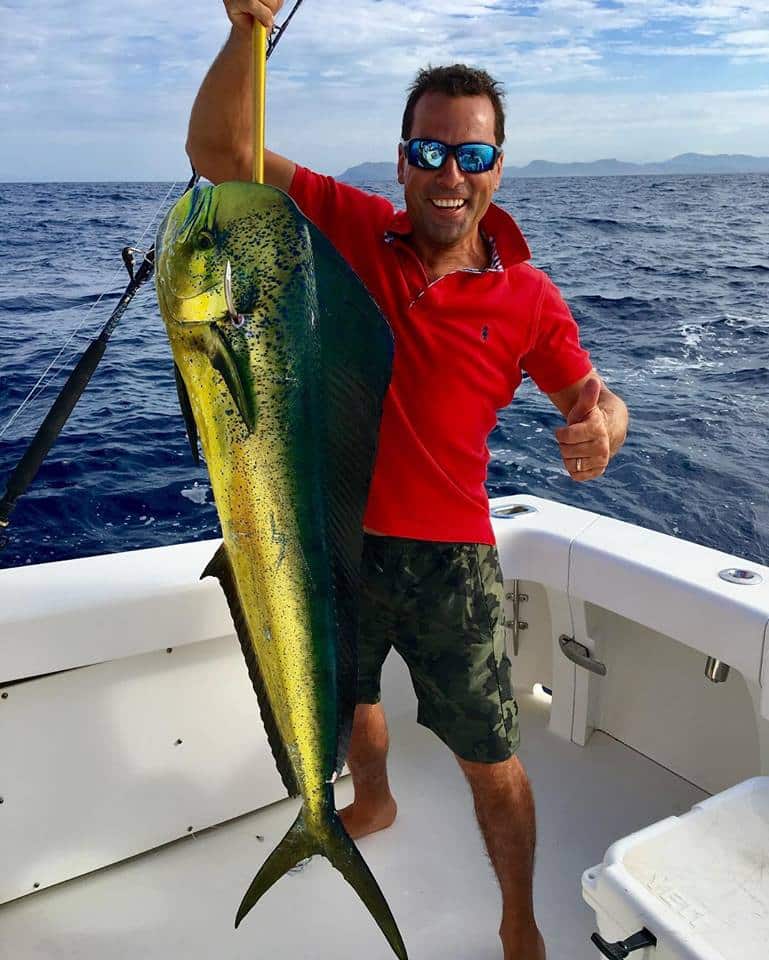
[[102, 91]]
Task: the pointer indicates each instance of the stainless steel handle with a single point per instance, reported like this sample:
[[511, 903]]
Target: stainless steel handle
[[579, 654]]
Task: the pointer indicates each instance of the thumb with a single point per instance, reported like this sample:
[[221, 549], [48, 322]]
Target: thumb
[[586, 401]]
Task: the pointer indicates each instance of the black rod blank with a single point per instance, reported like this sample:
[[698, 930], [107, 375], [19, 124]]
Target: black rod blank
[[47, 433]]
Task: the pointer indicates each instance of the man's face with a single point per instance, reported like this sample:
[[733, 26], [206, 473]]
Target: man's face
[[452, 120]]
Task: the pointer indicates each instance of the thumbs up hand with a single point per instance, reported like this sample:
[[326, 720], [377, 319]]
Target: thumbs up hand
[[584, 441]]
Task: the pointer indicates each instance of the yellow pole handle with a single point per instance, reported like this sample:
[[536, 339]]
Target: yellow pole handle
[[259, 61]]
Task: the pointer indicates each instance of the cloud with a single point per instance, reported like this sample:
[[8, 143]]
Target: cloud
[[653, 127], [119, 80], [558, 126], [756, 39]]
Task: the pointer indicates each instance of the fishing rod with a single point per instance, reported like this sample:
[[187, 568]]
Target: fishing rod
[[47, 433]]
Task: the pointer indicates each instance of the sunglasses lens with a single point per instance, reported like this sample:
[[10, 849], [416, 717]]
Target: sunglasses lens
[[429, 154], [471, 157], [476, 157]]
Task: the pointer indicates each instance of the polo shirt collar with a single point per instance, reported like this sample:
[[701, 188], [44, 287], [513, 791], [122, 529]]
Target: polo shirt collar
[[497, 225]]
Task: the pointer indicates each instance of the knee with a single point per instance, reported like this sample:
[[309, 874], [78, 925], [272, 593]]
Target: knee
[[501, 779]]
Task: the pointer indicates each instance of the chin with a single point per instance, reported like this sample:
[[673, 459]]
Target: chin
[[446, 234]]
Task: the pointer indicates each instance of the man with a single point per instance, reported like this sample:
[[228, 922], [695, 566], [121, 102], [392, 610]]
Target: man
[[468, 313]]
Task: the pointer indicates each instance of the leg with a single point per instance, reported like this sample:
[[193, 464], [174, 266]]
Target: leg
[[373, 807], [462, 679], [504, 807]]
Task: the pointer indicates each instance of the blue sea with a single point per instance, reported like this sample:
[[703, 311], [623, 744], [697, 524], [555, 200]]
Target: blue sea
[[667, 276]]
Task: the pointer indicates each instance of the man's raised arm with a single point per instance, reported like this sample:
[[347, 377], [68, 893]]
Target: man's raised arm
[[219, 140]]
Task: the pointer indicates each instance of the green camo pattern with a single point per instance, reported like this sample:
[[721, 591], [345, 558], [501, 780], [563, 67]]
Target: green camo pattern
[[441, 606]]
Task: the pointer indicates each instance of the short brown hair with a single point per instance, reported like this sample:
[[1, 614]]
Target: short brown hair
[[458, 80]]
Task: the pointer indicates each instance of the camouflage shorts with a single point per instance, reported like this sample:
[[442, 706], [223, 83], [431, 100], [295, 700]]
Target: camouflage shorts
[[440, 605]]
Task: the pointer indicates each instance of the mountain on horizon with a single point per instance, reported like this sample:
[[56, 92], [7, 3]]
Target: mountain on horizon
[[684, 163]]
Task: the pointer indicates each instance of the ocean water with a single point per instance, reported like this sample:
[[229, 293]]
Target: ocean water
[[667, 276]]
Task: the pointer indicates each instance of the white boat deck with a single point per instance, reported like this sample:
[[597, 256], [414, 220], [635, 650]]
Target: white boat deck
[[128, 718], [180, 900]]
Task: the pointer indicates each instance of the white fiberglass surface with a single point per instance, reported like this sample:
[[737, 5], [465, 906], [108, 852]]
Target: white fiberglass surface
[[180, 900]]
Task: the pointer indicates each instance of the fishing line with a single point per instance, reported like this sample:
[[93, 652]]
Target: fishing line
[[277, 32], [38, 390], [53, 423], [25, 471], [40, 387]]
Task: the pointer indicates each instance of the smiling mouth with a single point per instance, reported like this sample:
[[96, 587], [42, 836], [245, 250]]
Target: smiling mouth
[[455, 204]]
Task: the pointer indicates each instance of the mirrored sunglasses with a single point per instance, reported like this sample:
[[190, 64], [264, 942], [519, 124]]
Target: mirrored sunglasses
[[432, 154]]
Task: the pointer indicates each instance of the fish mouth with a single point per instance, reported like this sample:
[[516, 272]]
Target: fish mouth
[[208, 306], [202, 310], [200, 293]]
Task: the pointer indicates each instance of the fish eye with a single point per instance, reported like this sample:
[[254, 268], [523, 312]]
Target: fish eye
[[205, 240]]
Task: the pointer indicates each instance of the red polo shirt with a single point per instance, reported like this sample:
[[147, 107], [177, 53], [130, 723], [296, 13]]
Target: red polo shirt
[[461, 344]]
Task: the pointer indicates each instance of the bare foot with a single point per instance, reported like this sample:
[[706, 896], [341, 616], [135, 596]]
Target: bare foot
[[360, 821]]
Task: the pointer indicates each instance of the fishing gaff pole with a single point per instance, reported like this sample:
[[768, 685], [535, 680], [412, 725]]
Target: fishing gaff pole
[[258, 93], [47, 433]]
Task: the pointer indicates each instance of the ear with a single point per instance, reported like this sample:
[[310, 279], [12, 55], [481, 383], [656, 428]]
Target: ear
[[401, 164]]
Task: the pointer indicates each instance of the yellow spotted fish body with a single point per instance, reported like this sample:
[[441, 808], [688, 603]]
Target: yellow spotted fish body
[[282, 361]]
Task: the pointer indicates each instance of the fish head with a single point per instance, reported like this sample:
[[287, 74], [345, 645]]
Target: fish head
[[232, 263]]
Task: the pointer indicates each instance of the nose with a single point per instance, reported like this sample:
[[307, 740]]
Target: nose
[[449, 174]]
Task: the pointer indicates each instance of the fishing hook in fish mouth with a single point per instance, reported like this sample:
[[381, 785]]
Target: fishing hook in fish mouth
[[237, 318]]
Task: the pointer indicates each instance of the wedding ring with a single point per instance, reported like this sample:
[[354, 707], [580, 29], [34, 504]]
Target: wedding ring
[[579, 465]]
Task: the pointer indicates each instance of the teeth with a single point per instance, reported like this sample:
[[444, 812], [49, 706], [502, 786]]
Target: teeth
[[449, 203], [228, 292]]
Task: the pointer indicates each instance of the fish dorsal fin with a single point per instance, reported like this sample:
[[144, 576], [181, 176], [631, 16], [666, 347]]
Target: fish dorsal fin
[[356, 351], [219, 566], [189, 419]]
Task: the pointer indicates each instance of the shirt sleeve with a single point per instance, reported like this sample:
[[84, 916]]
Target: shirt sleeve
[[340, 211], [556, 359]]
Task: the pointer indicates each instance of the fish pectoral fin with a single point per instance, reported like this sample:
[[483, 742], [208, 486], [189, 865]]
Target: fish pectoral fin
[[224, 361], [220, 567], [189, 419]]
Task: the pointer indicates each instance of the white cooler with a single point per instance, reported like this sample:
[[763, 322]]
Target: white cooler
[[694, 887]]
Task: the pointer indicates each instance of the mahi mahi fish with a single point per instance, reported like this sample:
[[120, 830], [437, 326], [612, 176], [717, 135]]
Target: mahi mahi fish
[[282, 362]]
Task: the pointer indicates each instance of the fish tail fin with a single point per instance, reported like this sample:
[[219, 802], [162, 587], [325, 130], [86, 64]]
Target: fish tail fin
[[345, 856], [336, 846], [297, 845]]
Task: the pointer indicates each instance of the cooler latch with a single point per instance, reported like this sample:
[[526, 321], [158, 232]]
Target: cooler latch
[[620, 949]]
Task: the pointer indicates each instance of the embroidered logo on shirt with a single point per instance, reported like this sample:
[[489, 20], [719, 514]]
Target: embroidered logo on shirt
[[485, 334]]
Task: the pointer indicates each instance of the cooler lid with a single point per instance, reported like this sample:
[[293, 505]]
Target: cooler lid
[[700, 882]]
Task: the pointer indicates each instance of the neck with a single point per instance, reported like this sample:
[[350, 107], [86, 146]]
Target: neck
[[438, 260]]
